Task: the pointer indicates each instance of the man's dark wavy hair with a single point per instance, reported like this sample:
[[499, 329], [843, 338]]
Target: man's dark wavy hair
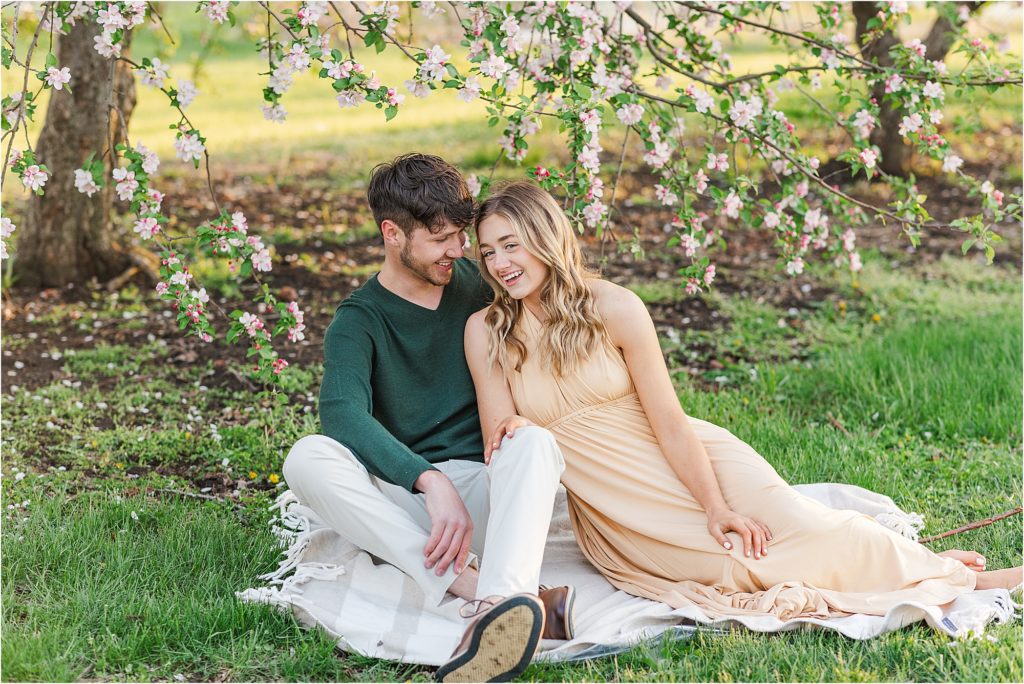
[[419, 191]]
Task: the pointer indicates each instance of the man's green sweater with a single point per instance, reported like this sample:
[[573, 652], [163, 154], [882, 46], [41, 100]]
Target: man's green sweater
[[396, 389]]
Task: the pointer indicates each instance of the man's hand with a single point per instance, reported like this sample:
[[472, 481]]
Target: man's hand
[[451, 531]]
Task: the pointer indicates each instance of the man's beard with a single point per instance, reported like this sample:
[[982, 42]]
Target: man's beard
[[423, 270]]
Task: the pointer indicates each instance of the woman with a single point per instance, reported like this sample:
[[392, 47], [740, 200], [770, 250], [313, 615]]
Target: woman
[[667, 507]]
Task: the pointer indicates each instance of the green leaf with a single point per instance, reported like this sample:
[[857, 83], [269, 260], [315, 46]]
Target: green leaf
[[390, 113], [51, 60], [966, 246]]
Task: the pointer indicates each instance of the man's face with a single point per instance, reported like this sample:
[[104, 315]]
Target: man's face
[[431, 256]]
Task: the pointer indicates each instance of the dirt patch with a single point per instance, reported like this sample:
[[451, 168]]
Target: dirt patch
[[325, 259]]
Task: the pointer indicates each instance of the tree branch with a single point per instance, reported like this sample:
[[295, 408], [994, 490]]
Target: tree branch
[[972, 526]]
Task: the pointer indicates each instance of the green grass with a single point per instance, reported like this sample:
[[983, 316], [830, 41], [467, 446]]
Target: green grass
[[929, 396]]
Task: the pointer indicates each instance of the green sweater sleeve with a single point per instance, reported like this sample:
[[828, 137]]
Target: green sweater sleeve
[[346, 403]]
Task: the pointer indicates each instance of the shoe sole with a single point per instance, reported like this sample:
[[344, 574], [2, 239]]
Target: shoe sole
[[502, 646], [570, 618]]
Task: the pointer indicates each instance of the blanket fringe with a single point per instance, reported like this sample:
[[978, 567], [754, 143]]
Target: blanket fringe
[[1001, 609], [907, 524], [293, 533]]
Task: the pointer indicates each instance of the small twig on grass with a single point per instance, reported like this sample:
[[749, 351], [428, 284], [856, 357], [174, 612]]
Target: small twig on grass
[[972, 526], [837, 425], [193, 495]]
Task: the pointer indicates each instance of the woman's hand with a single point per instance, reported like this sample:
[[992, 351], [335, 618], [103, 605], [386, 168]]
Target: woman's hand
[[505, 428], [756, 535]]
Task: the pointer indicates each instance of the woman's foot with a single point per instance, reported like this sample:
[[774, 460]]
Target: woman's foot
[[974, 561], [1010, 578]]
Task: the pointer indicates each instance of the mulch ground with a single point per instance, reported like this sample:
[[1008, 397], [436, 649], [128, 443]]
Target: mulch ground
[[322, 268]]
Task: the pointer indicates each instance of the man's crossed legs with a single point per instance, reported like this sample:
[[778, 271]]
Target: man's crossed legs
[[510, 503]]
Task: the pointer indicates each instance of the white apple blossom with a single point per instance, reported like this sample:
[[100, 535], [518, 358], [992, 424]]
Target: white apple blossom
[[189, 147], [58, 78], [494, 67], [150, 160], [350, 98], [417, 88], [186, 92], [433, 66], [155, 75], [951, 163], [275, 112], [933, 91], [868, 158], [630, 114], [657, 157], [7, 229], [473, 183], [470, 91], [126, 184], [281, 78], [311, 12], [795, 266], [105, 46], [911, 124], [85, 183], [732, 205], [665, 195], [864, 122]]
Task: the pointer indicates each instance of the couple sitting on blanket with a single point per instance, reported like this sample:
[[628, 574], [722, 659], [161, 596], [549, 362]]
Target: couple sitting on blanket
[[458, 394]]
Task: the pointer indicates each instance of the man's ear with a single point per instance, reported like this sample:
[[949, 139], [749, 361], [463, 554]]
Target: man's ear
[[390, 231]]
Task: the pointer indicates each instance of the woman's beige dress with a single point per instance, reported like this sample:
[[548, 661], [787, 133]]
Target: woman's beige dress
[[638, 524]]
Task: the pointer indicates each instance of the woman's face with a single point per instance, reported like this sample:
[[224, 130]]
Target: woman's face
[[519, 272]]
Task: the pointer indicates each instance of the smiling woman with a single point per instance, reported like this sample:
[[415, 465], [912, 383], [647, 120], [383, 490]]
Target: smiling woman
[[666, 506]]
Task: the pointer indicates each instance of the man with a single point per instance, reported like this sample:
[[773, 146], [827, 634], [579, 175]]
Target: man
[[398, 470]]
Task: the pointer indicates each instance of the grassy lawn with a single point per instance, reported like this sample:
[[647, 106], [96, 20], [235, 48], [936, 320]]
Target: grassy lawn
[[112, 574]]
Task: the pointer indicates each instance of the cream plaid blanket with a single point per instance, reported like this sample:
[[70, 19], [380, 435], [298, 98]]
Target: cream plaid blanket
[[374, 609]]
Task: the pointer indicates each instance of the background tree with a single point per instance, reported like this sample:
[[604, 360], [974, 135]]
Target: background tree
[[68, 236], [895, 155]]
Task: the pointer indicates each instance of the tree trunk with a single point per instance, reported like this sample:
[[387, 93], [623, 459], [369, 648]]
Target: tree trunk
[[67, 236], [895, 157]]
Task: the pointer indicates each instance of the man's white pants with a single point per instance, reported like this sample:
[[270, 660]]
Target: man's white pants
[[510, 502]]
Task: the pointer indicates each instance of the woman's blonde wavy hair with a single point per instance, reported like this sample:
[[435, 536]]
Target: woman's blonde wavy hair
[[573, 327]]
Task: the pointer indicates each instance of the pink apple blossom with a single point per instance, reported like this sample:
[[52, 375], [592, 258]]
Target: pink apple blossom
[[709, 275], [261, 260], [146, 227], [217, 11], [701, 179], [868, 157], [34, 178]]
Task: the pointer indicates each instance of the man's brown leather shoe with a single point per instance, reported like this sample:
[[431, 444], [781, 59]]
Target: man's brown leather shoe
[[499, 644], [558, 609]]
